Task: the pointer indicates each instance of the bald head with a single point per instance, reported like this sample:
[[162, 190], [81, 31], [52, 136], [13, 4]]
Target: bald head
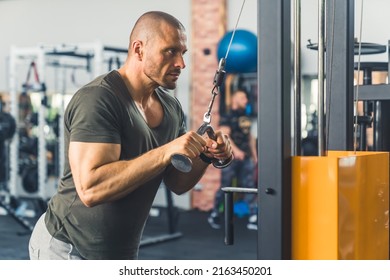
[[155, 56], [149, 25]]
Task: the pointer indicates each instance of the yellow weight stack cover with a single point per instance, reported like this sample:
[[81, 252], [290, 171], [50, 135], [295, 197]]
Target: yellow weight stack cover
[[340, 206]]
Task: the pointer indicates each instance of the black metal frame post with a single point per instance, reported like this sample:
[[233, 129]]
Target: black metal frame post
[[339, 74], [229, 210], [229, 213], [274, 129]]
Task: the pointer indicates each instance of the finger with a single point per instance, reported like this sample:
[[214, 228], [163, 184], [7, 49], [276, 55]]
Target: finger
[[211, 144], [197, 144], [220, 137], [217, 141], [189, 144], [224, 150]]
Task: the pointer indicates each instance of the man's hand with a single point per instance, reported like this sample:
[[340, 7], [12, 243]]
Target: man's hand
[[219, 148], [190, 144]]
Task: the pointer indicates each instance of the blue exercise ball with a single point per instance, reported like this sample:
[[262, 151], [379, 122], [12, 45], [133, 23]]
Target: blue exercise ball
[[242, 56]]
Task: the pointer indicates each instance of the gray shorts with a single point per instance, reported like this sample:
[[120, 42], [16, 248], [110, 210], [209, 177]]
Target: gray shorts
[[43, 246]]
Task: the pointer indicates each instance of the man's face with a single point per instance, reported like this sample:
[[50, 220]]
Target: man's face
[[164, 56]]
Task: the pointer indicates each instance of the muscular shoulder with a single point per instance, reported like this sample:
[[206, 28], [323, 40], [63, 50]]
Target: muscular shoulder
[[99, 94], [95, 109]]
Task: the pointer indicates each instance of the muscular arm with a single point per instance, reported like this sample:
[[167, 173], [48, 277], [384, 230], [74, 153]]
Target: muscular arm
[[100, 177], [180, 182]]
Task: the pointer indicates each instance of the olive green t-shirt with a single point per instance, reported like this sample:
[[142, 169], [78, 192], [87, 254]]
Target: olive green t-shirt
[[103, 111]]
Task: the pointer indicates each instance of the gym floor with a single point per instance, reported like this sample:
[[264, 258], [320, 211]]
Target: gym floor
[[193, 239]]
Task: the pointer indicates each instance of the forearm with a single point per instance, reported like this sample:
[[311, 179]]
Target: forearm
[[180, 182], [99, 176]]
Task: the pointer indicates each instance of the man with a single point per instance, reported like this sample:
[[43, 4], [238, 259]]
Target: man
[[237, 125], [120, 132]]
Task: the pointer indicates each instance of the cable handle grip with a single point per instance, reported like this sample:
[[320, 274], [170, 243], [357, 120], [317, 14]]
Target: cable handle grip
[[217, 163], [207, 128], [184, 164]]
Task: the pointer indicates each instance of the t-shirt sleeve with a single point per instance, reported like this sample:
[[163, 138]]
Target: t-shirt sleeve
[[93, 116]]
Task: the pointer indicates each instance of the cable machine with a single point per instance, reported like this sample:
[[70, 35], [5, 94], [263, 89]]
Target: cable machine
[[283, 229]]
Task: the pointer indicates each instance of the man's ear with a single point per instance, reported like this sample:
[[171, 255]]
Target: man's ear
[[137, 48]]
